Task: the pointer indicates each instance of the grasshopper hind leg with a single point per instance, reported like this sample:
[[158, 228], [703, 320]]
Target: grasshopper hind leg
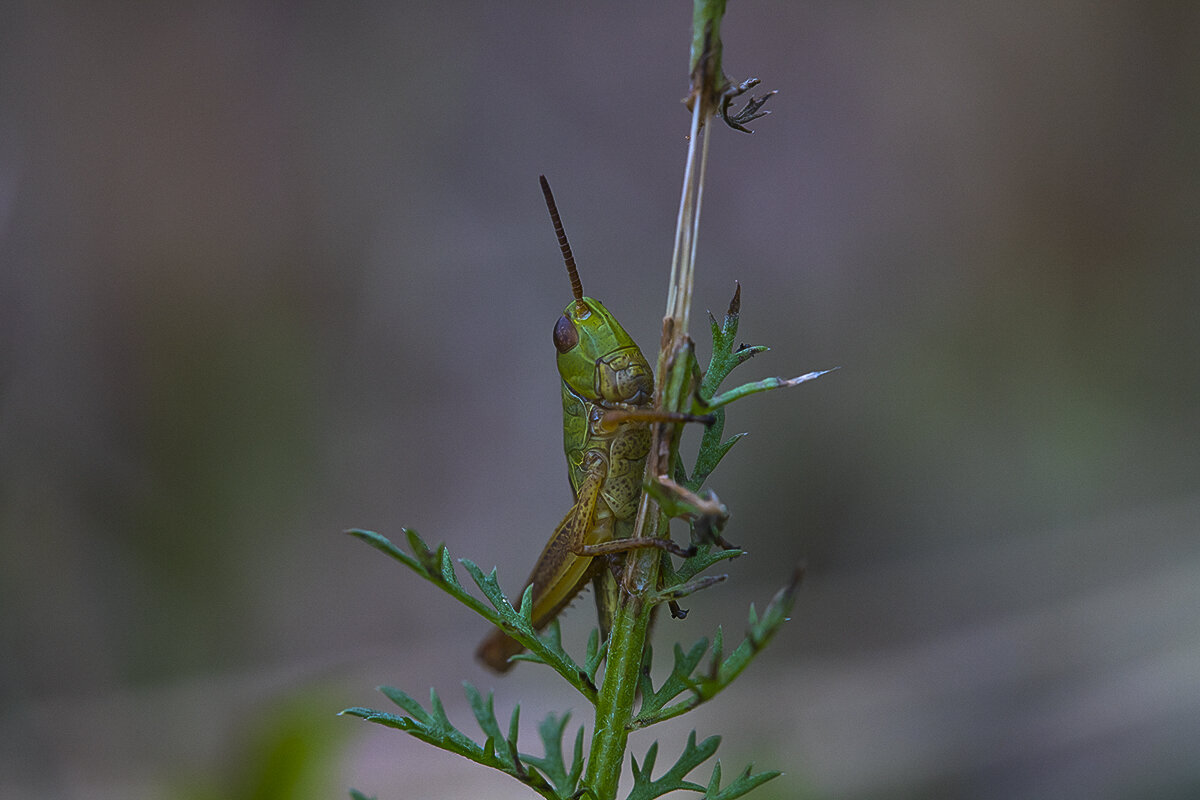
[[562, 570]]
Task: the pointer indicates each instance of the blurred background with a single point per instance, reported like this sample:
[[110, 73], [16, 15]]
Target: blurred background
[[269, 271]]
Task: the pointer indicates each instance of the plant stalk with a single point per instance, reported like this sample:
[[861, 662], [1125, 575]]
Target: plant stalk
[[631, 621]]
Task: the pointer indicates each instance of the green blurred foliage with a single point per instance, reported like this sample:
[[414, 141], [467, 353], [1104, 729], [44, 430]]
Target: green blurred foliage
[[288, 750]]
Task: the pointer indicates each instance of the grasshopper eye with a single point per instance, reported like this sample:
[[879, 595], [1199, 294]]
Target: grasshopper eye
[[565, 335]]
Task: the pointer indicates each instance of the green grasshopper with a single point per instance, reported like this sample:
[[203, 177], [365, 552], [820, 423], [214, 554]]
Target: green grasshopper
[[607, 394]]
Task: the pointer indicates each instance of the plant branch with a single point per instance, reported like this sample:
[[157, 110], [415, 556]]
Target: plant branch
[[673, 390]]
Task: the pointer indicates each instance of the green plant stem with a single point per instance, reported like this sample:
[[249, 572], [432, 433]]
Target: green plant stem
[[614, 707], [705, 62], [631, 621]]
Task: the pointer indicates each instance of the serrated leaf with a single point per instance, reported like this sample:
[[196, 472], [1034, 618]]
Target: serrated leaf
[[434, 726], [744, 783], [718, 649], [447, 567], [645, 686], [437, 567], [552, 765], [405, 701], [710, 454], [383, 545], [526, 609], [673, 779], [484, 711], [678, 682], [679, 591], [764, 385], [489, 585], [724, 359], [381, 717], [749, 351], [514, 724], [648, 763], [714, 779], [705, 557], [722, 672], [440, 721], [546, 648], [596, 651]]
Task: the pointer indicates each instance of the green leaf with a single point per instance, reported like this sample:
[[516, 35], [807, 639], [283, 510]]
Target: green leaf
[[681, 590], [678, 682], [437, 567], [432, 725], [711, 453], [725, 357], [673, 779], [706, 556], [766, 384], [406, 702], [485, 715], [723, 671], [745, 782], [566, 781]]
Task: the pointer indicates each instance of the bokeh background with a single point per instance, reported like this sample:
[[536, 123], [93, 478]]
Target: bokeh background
[[273, 270]]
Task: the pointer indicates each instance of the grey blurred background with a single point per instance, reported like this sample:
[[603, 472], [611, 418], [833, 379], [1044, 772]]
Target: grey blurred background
[[269, 271]]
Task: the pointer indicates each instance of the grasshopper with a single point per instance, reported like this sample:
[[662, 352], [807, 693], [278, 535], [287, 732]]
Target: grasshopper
[[607, 395]]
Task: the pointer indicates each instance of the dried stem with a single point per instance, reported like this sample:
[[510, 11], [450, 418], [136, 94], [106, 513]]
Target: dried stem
[[631, 621], [687, 225]]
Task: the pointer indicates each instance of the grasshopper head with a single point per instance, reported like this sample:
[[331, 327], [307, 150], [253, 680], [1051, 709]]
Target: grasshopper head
[[597, 359]]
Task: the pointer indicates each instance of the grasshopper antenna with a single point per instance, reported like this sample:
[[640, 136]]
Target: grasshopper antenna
[[563, 244]]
